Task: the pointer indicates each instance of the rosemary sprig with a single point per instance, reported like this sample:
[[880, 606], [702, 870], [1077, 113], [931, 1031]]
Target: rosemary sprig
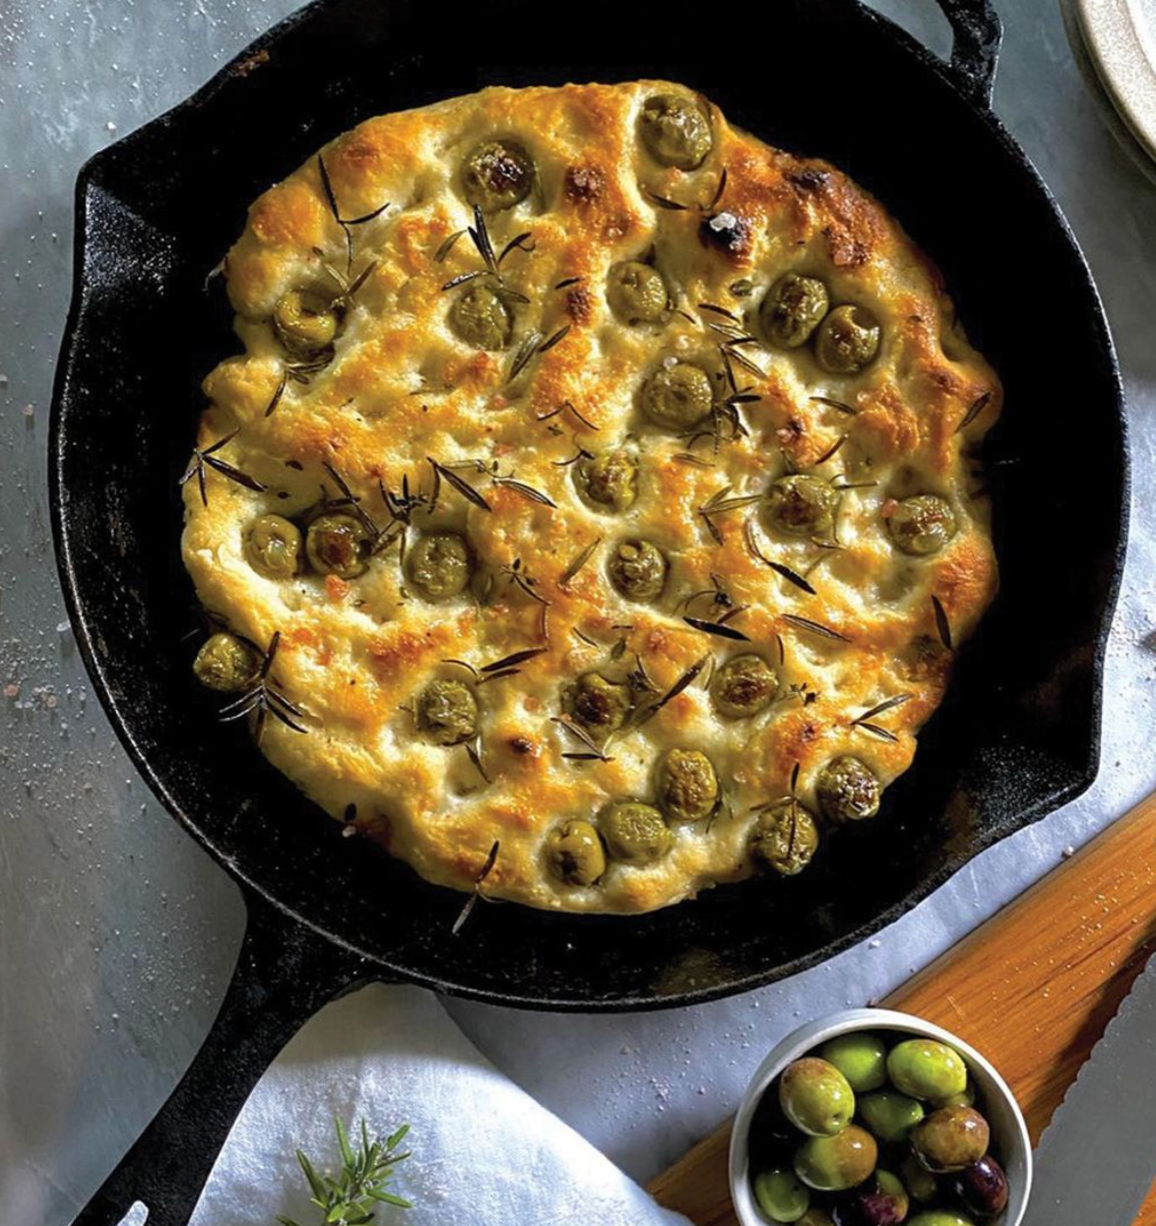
[[507, 663], [467, 491], [266, 698], [520, 577], [778, 567], [349, 1199], [687, 679], [346, 223], [865, 721], [208, 458], [567, 406], [592, 753], [471, 902]]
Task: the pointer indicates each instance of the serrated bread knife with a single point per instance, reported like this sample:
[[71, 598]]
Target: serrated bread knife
[[1096, 1159]]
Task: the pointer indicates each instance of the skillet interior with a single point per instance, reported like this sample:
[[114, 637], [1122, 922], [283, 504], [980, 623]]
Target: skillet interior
[[1019, 733]]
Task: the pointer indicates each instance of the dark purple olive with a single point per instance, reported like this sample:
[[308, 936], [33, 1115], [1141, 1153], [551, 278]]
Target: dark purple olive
[[883, 1201], [983, 1187]]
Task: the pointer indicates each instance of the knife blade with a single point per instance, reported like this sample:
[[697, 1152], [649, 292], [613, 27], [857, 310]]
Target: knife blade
[[1096, 1159]]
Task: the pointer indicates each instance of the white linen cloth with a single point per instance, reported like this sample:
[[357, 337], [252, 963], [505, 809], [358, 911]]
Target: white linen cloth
[[484, 1153]]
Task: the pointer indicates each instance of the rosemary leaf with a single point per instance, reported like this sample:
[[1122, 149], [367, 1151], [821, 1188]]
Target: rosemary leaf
[[805, 623], [716, 628], [464, 488], [941, 622]]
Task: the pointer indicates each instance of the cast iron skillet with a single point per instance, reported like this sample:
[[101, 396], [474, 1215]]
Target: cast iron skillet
[[1019, 734]]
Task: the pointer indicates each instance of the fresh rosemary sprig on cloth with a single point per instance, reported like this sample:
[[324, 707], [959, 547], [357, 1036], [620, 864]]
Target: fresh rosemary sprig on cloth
[[349, 1200]]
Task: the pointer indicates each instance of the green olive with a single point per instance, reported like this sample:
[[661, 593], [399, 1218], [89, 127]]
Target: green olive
[[273, 547], [803, 505], [816, 1217], [891, 1194], [785, 838], [497, 174], [816, 1097], [611, 480], [860, 1056], [600, 706], [637, 568], [834, 1163], [677, 397], [780, 1195], [481, 317], [890, 1115], [637, 293], [847, 340], [226, 663], [950, 1139], [447, 712], [674, 131], [439, 565], [744, 686], [575, 853], [337, 544], [920, 1183], [926, 1068], [687, 788], [922, 525], [793, 308], [940, 1217], [966, 1098], [305, 322], [848, 790], [635, 832]]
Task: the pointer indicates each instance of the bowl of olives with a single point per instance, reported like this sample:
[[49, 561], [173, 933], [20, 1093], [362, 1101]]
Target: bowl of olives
[[870, 1117]]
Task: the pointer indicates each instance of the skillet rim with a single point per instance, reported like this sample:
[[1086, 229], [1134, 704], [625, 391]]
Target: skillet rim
[[731, 983]]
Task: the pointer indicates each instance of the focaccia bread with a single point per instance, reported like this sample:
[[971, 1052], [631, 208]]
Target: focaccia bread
[[599, 485]]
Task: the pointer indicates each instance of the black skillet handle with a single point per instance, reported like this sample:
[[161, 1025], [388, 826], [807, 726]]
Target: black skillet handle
[[285, 973], [976, 36]]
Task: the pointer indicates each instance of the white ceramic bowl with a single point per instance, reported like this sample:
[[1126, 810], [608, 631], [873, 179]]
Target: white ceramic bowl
[[1008, 1131]]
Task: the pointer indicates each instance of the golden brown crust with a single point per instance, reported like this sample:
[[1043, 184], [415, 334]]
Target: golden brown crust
[[402, 387]]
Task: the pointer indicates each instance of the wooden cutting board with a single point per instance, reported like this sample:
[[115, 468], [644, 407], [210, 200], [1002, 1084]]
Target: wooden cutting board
[[1033, 989]]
